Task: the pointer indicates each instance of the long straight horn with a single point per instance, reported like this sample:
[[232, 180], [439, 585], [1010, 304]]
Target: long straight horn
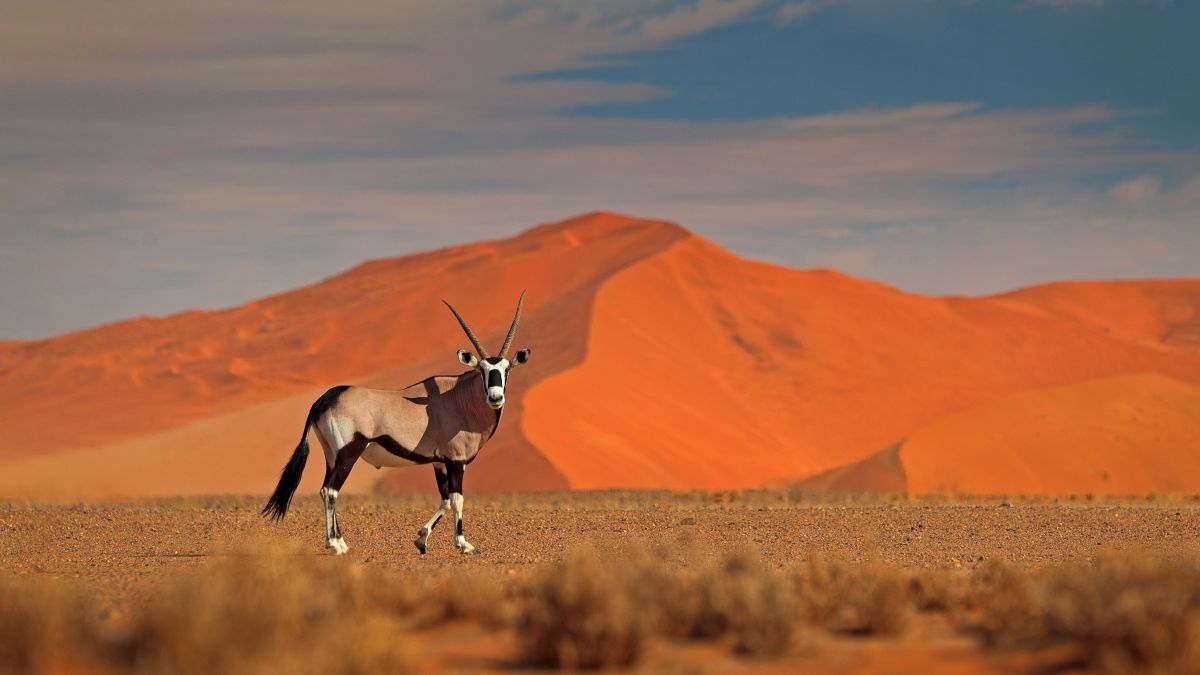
[[512, 330], [470, 333]]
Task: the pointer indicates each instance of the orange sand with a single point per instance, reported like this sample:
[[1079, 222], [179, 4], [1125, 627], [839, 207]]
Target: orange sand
[[660, 360], [709, 371], [1132, 434], [1124, 435]]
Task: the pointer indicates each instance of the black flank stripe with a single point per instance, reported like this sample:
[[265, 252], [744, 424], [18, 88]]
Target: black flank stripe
[[393, 446]]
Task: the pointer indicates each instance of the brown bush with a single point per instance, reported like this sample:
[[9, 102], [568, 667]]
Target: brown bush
[[937, 590], [853, 598], [1127, 613], [470, 596], [742, 600], [267, 614], [999, 604], [585, 613], [264, 614], [582, 613], [43, 626]]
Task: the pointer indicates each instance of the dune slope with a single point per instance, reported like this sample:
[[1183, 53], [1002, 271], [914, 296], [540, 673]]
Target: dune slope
[[210, 387], [707, 370], [660, 360], [1131, 434]]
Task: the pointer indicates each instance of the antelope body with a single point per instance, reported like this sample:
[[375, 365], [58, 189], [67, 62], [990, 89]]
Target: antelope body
[[441, 420]]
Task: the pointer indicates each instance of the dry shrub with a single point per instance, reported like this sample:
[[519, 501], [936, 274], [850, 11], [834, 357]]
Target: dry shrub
[[43, 626], [243, 614], [1126, 613], [468, 596], [585, 613], [937, 590], [582, 613], [742, 600], [1000, 600], [271, 613], [853, 598]]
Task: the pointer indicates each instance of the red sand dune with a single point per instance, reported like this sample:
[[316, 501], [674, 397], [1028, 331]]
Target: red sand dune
[[1131, 434], [660, 360], [1156, 313], [706, 370]]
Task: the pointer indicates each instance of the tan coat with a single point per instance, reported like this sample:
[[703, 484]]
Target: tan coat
[[440, 418]]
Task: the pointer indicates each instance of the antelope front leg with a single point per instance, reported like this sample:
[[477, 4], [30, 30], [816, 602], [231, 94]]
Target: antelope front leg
[[456, 504], [443, 483]]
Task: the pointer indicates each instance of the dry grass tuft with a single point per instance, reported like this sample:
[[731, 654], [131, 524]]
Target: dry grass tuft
[[269, 614], [1127, 613], [999, 600], [854, 598], [285, 612], [467, 596], [37, 620], [582, 613], [585, 613], [742, 600], [937, 590], [262, 614]]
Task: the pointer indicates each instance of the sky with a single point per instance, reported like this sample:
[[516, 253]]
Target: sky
[[162, 155]]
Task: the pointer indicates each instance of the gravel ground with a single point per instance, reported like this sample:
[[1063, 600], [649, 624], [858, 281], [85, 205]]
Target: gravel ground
[[122, 550], [119, 545]]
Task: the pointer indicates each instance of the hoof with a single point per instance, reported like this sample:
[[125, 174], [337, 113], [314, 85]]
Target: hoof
[[420, 545], [473, 551], [338, 546]]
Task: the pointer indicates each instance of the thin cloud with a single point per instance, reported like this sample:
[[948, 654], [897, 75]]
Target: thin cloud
[[794, 12], [1065, 4], [1139, 190], [164, 155]]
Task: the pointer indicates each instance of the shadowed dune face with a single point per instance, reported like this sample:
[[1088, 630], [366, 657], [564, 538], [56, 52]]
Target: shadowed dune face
[[165, 399], [1131, 434], [659, 360], [881, 472], [131, 378], [720, 372]]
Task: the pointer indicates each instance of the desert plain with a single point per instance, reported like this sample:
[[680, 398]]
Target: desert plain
[[656, 581]]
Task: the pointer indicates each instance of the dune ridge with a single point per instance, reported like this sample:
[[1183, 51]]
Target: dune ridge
[[736, 373], [660, 360], [380, 324]]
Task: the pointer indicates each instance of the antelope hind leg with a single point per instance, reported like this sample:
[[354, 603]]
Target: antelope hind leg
[[333, 534], [344, 461]]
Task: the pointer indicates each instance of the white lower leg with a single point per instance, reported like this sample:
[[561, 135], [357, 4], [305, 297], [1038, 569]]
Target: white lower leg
[[456, 504], [333, 539], [423, 535]]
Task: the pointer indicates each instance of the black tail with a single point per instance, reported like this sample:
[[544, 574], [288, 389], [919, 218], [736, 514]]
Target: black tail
[[289, 479]]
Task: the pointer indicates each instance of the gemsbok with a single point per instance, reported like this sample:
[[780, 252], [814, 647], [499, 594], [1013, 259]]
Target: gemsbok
[[442, 420]]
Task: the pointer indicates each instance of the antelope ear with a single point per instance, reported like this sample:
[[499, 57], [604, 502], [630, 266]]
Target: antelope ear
[[467, 358], [522, 357]]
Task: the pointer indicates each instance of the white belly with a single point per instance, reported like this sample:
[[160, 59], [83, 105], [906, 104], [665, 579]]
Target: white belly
[[378, 457]]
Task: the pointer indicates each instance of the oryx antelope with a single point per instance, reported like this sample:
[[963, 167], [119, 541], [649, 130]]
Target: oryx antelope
[[442, 420]]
